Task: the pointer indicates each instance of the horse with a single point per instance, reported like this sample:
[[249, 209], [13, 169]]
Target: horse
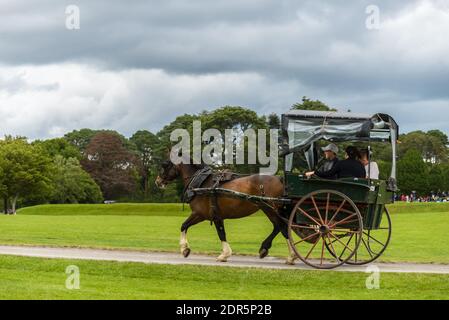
[[202, 205]]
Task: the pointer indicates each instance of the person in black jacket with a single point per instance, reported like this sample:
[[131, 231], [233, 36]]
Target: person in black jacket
[[348, 168], [331, 159]]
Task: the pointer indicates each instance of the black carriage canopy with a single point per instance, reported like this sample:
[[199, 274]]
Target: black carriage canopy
[[302, 128]]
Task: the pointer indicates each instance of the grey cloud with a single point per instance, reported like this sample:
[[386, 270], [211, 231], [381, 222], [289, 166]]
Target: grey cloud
[[319, 49]]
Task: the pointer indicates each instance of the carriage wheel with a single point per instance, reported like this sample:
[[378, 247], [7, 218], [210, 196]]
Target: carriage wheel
[[373, 244], [327, 217]]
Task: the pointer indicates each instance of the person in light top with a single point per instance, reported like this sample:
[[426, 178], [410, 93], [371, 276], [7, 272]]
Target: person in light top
[[371, 167]]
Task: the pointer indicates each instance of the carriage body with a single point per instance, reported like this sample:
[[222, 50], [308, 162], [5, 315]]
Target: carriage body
[[354, 206], [370, 196]]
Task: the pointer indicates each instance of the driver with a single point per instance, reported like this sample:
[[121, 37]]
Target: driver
[[331, 159]]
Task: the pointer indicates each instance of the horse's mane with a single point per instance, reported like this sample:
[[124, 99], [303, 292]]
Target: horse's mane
[[185, 159]]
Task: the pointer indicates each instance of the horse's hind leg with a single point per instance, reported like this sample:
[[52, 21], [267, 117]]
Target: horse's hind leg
[[266, 244], [184, 244], [278, 226], [227, 252]]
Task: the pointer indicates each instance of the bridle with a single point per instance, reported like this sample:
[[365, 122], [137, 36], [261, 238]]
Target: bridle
[[186, 180]]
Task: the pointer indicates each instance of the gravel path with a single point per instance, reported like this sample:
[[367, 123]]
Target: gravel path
[[197, 259]]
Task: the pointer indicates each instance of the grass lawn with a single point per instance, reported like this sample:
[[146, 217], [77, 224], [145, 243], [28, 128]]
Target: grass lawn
[[36, 278], [419, 230]]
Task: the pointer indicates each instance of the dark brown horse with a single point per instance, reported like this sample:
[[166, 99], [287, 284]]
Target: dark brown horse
[[228, 207]]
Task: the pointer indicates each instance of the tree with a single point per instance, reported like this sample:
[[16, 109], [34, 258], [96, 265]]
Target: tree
[[182, 122], [239, 119], [441, 136], [444, 167], [59, 146], [273, 121], [435, 178], [26, 171], [147, 145], [80, 138], [111, 165], [72, 184], [308, 104], [413, 173], [430, 146]]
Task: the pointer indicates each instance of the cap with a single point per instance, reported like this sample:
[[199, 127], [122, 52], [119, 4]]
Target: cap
[[331, 147]]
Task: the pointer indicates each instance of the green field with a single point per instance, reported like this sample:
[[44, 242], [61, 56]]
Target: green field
[[34, 278], [419, 230]]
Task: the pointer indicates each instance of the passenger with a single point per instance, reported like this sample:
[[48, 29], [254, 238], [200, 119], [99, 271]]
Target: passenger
[[372, 171], [348, 168], [330, 154]]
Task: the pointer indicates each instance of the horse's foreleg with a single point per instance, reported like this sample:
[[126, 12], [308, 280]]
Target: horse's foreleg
[[227, 252], [183, 243]]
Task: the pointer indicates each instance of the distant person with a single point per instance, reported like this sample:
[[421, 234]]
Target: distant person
[[331, 159], [371, 167], [348, 168]]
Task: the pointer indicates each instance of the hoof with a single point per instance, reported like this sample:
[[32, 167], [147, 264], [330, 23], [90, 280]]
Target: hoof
[[290, 261], [186, 252], [222, 259], [263, 253]]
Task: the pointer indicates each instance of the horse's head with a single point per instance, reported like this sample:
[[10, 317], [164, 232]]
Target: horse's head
[[168, 172]]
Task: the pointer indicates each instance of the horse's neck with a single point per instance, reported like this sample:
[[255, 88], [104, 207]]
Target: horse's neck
[[187, 172]]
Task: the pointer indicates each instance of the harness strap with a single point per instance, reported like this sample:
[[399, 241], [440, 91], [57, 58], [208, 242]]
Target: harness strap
[[195, 181], [214, 202]]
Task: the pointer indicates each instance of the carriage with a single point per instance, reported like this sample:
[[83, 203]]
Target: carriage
[[333, 222], [327, 222]]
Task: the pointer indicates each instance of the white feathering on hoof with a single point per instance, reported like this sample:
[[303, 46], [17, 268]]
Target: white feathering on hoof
[[292, 257], [226, 253], [290, 260], [183, 242]]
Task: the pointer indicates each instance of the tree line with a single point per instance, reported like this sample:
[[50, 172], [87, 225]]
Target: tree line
[[90, 166]]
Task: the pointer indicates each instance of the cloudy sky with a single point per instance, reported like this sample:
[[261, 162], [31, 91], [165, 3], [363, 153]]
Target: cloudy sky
[[138, 64]]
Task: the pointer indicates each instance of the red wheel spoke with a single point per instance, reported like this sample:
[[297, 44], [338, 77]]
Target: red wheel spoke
[[367, 249], [317, 210], [311, 249], [343, 230], [344, 220], [370, 236], [342, 243], [303, 227], [322, 252], [338, 210], [349, 240], [308, 216], [306, 238], [332, 247], [327, 207]]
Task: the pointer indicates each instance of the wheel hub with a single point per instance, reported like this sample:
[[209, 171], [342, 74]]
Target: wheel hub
[[324, 229]]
